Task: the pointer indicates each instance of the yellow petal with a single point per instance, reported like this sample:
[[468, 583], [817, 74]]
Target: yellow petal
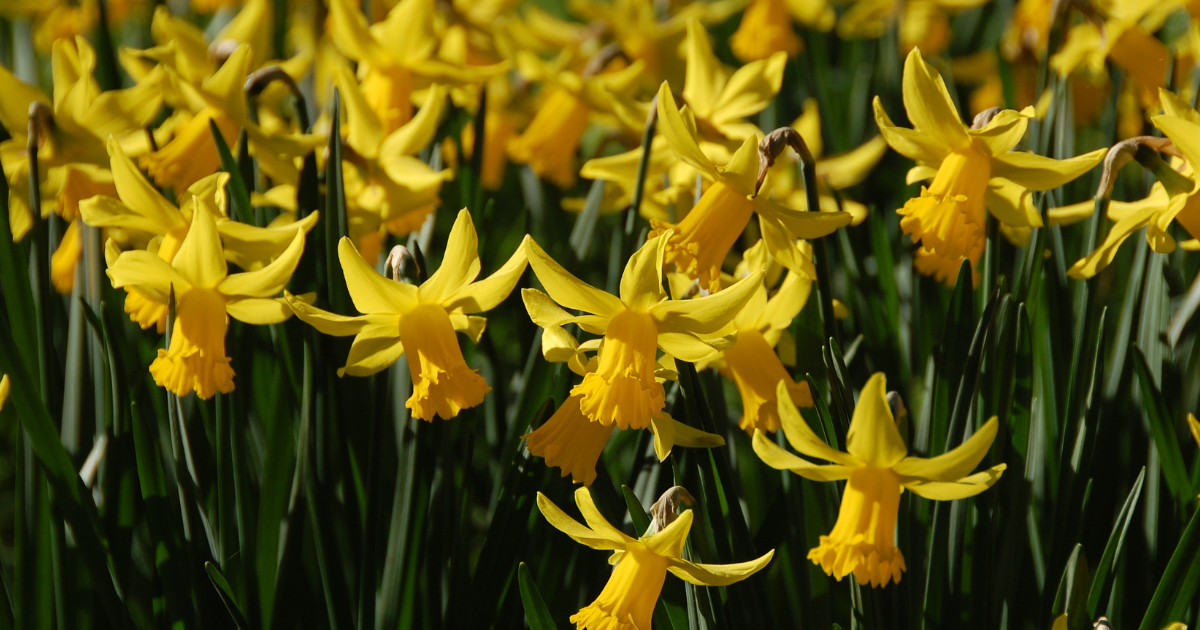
[[1194, 425], [543, 311], [801, 436], [1071, 214], [911, 143], [806, 225], [1011, 204], [960, 489], [348, 29], [686, 347], [149, 274], [373, 350], [1173, 105], [269, 280], [460, 263], [14, 107], [140, 196], [718, 574], [364, 132], [873, 437], [249, 247], [418, 132], [1042, 173], [1004, 131], [849, 169], [741, 172], [668, 543], [641, 282], [200, 258], [259, 311], [928, 103], [708, 314], [408, 30], [487, 294], [955, 463], [1091, 264], [664, 436], [558, 345], [775, 457], [749, 90], [595, 520], [692, 437], [371, 292], [676, 131], [704, 74], [468, 325], [566, 289], [331, 323], [224, 89]]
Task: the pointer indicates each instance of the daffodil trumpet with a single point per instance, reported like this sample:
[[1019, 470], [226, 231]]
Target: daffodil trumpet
[[877, 469], [640, 565], [420, 322]]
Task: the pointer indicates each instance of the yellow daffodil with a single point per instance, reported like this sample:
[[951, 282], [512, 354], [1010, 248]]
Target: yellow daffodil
[[205, 293], [922, 23], [974, 172], [877, 469], [666, 192], [420, 321], [751, 362], [569, 440], [635, 325], [640, 565], [71, 158], [388, 187], [766, 27], [54, 20], [396, 57], [65, 259], [145, 216], [838, 172], [698, 244], [1125, 38], [5, 386]]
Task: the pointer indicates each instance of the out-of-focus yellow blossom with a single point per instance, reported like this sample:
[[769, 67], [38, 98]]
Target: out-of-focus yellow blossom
[[923, 23], [640, 564], [387, 187], [766, 27], [974, 172], [205, 293], [1028, 30], [396, 57], [878, 469], [1126, 39], [699, 243], [72, 161], [751, 362], [667, 191], [53, 20], [833, 173], [420, 321], [65, 258], [622, 390], [1159, 209], [206, 7], [5, 386], [146, 216], [569, 440], [567, 102]]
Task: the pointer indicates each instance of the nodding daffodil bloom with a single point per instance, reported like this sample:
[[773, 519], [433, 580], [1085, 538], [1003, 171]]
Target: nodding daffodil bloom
[[766, 27], [622, 389], [71, 157], [144, 215], [420, 321], [878, 469], [569, 440], [640, 565], [974, 171], [751, 362], [396, 57], [205, 292], [699, 243], [390, 188]]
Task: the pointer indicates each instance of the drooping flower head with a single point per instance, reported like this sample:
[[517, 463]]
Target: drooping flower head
[[622, 389], [205, 293], [640, 565], [420, 321], [877, 469], [974, 172]]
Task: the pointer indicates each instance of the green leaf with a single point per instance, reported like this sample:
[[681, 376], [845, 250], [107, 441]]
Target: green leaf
[[1102, 580], [1179, 581], [1071, 597], [536, 612], [582, 234], [641, 520], [226, 593], [239, 197], [1162, 429]]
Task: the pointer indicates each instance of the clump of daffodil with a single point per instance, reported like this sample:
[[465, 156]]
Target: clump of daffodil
[[420, 321], [1159, 209], [766, 27], [751, 362], [877, 469], [622, 389], [397, 57], [571, 441], [698, 244], [640, 565], [974, 172], [205, 293], [143, 215]]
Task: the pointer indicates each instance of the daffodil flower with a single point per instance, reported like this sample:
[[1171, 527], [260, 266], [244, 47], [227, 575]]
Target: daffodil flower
[[766, 27], [145, 215], [396, 57], [699, 243], [751, 362], [569, 440], [420, 321], [1126, 39], [974, 172], [635, 325], [922, 23], [205, 292], [877, 469], [640, 564], [1159, 209]]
